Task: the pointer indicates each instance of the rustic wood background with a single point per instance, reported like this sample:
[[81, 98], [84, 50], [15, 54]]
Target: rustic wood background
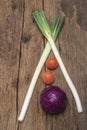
[[21, 45]]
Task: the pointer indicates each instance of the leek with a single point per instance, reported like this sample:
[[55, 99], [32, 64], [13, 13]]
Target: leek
[[55, 28], [46, 31]]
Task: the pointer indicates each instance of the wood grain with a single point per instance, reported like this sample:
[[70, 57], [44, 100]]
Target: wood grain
[[21, 45], [10, 34]]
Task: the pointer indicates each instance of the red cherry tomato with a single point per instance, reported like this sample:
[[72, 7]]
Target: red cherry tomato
[[52, 63], [47, 77]]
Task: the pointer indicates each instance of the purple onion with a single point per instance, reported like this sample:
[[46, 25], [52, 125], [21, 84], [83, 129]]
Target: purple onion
[[53, 100]]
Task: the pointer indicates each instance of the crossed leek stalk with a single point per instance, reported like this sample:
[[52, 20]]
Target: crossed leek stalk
[[51, 35]]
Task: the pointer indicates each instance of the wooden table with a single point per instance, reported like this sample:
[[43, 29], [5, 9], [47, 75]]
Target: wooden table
[[21, 45]]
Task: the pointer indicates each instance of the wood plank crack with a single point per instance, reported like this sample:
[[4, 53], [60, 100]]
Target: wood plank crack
[[22, 29]]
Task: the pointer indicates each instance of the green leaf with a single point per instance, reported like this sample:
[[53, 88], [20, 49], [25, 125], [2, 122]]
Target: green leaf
[[42, 22], [58, 28], [55, 21]]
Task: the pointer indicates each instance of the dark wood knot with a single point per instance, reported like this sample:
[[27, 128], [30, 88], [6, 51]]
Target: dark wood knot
[[26, 38]]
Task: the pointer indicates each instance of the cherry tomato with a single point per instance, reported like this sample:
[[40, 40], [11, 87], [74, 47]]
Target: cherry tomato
[[47, 77], [52, 63]]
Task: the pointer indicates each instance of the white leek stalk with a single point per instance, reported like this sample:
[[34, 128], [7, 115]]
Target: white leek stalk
[[33, 82], [66, 75]]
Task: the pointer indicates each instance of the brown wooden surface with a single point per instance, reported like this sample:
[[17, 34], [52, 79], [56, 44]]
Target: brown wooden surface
[[21, 44]]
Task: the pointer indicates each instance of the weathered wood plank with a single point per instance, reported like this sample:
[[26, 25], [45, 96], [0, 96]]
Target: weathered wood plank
[[31, 49], [73, 50], [72, 47], [56, 121], [21, 44], [10, 34]]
